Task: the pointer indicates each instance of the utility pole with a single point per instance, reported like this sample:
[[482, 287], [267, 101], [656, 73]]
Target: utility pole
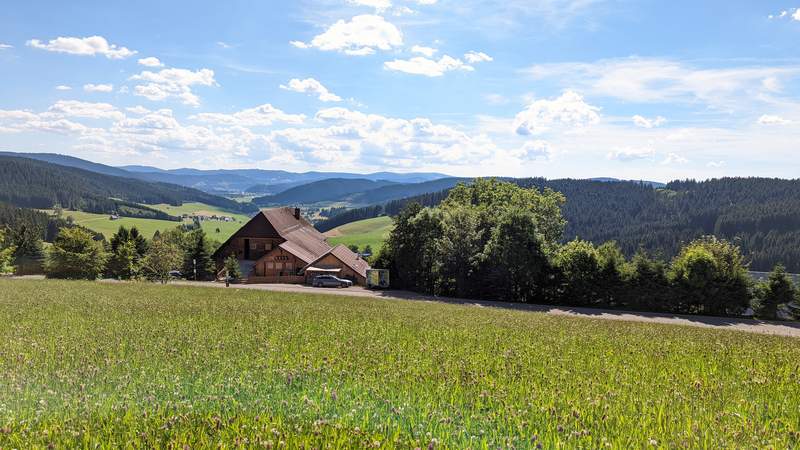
[[194, 265]]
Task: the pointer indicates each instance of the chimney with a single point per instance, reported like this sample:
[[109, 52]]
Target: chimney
[[297, 213]]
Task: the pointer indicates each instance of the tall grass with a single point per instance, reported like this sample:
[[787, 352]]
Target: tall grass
[[147, 366]]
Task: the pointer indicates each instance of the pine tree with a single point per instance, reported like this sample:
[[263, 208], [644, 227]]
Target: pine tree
[[198, 257]]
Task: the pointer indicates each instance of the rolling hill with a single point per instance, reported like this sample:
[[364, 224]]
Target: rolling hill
[[321, 191], [37, 184], [372, 232]]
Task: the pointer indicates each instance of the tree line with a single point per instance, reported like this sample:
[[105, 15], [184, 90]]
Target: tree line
[[760, 215], [36, 184], [499, 241]]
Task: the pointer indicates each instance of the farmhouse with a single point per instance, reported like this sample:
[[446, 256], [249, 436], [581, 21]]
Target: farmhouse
[[278, 245]]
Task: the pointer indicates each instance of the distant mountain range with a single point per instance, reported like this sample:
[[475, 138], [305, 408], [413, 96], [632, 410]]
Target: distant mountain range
[[225, 182]]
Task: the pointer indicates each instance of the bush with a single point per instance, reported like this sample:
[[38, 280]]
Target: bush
[[233, 268], [75, 255], [578, 265], [776, 291], [710, 278], [6, 254]]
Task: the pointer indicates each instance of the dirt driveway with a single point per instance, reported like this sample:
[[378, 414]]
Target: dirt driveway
[[748, 325]]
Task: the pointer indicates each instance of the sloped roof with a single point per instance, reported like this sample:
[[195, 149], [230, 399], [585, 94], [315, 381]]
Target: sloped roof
[[302, 239], [347, 257]]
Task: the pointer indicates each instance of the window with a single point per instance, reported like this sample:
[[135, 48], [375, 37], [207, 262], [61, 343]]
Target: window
[[270, 265], [268, 246]]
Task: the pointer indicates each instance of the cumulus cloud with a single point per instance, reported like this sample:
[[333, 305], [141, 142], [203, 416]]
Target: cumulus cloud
[[534, 151], [260, 116], [311, 86], [98, 87], [87, 46], [477, 57], [420, 65], [62, 87], [568, 110], [768, 119], [422, 50], [86, 110], [360, 36], [151, 61], [626, 154], [644, 122], [173, 83], [673, 158]]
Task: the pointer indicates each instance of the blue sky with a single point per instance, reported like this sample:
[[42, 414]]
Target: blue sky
[[556, 88]]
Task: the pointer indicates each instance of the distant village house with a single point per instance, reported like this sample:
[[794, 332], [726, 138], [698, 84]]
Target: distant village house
[[280, 246]]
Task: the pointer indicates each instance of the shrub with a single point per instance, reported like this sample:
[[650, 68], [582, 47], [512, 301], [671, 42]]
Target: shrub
[[710, 277], [162, 257], [6, 254], [75, 255], [776, 291], [232, 268], [578, 265]]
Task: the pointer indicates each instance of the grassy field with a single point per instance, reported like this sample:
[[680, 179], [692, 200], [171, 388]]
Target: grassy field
[[101, 223], [362, 233], [146, 366]]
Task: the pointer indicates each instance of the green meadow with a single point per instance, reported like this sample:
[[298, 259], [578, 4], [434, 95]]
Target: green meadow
[[371, 232], [102, 224], [86, 365]]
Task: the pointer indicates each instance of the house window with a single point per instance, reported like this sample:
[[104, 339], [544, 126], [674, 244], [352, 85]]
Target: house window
[[270, 265], [268, 246], [279, 266]]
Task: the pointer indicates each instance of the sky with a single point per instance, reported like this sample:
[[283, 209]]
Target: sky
[[636, 89]]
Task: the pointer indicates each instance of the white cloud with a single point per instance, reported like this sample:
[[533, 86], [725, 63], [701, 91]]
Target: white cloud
[[379, 5], [260, 116], [427, 51], [88, 46], [151, 61], [641, 80], [311, 86], [173, 83], [673, 158], [768, 119], [420, 65], [626, 154], [351, 137], [796, 15], [140, 110], [62, 87], [5, 46], [477, 57], [86, 110], [362, 35], [715, 164], [98, 87], [644, 122], [568, 110], [534, 151]]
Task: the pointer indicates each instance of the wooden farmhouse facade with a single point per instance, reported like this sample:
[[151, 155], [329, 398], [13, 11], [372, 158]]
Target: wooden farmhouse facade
[[278, 245]]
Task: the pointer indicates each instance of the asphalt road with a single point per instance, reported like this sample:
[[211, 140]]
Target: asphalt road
[[747, 325]]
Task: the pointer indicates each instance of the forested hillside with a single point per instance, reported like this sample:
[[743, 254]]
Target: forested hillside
[[760, 215], [37, 184], [320, 191]]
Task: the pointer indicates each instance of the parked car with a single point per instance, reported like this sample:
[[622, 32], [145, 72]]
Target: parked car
[[175, 274], [330, 281]]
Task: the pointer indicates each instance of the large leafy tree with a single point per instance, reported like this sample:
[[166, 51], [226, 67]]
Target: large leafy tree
[[517, 257], [163, 256], [75, 254]]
